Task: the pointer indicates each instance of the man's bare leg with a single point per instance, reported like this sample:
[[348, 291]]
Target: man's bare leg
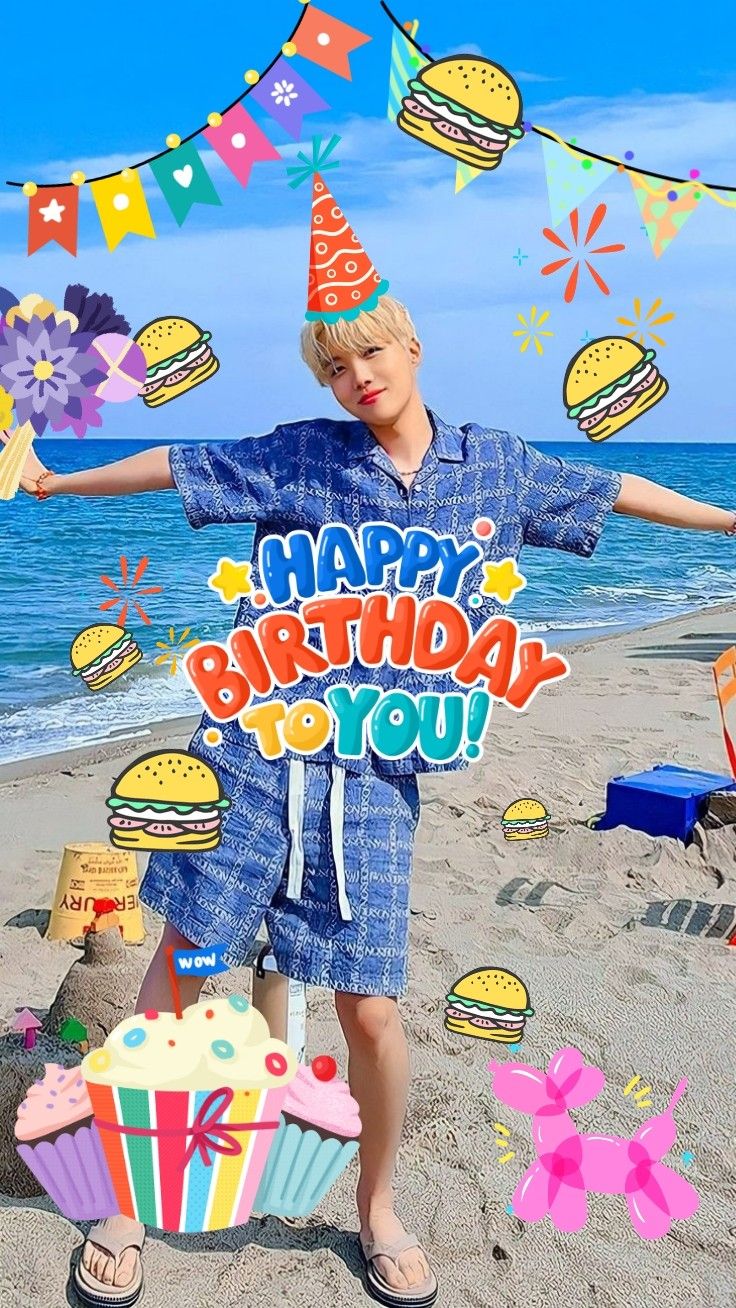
[[378, 1072]]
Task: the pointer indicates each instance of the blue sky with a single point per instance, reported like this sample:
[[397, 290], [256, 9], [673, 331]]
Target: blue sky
[[103, 88]]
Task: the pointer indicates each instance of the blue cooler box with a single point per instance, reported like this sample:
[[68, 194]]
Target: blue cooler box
[[666, 801]]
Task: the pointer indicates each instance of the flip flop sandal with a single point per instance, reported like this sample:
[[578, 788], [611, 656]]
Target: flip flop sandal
[[94, 1293], [416, 1296]]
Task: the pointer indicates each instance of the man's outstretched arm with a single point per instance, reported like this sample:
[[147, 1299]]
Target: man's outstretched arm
[[640, 498]]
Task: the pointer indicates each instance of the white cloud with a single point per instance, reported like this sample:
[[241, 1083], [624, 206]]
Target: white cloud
[[523, 76]]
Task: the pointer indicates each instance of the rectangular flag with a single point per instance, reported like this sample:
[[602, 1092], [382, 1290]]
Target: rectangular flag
[[406, 61], [122, 208], [328, 41], [240, 143], [53, 215], [184, 180], [199, 962], [287, 97]]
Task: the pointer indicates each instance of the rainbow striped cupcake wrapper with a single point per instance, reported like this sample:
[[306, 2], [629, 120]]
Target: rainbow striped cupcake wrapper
[[186, 1160]]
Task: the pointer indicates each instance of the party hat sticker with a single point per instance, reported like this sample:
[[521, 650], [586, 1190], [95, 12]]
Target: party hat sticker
[[343, 281]]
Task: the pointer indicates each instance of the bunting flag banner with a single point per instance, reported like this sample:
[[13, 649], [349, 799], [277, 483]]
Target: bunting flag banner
[[572, 174], [184, 180], [665, 213], [328, 41], [405, 64], [240, 143], [122, 208], [570, 179], [287, 97], [53, 215]]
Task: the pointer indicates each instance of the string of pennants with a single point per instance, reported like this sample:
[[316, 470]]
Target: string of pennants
[[572, 176], [180, 171]]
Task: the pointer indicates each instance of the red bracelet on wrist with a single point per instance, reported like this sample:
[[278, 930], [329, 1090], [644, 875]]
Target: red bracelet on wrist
[[42, 494], [731, 531]]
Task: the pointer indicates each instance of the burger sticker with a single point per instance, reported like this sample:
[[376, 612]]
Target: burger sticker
[[178, 357], [464, 106], [525, 819], [102, 653], [168, 799], [489, 1004], [609, 384]]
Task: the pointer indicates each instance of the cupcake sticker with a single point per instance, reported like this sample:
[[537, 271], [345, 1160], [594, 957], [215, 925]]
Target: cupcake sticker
[[315, 1142], [58, 1140], [187, 1109]]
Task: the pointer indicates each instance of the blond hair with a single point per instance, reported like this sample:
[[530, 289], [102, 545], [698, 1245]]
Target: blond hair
[[390, 320]]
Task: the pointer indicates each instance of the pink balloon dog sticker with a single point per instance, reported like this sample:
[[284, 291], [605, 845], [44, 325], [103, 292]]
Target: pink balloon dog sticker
[[570, 1165]]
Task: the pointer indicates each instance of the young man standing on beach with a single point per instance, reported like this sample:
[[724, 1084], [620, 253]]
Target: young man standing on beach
[[321, 850]]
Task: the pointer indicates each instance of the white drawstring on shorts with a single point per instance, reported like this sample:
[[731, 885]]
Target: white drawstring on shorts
[[296, 787]]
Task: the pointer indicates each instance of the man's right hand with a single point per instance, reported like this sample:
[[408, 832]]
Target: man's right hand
[[32, 468]]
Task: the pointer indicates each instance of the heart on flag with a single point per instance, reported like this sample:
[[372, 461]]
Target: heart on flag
[[184, 175], [184, 180]]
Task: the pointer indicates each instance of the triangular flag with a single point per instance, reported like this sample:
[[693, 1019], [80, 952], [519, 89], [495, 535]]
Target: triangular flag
[[466, 173], [287, 97], [121, 205], [406, 61], [184, 180], [328, 41], [663, 216], [571, 178], [240, 143], [53, 214]]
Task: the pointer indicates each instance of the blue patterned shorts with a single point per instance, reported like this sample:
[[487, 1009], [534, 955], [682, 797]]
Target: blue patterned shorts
[[322, 853]]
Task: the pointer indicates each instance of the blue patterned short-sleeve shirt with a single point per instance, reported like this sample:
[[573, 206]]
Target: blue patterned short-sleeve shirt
[[305, 474]]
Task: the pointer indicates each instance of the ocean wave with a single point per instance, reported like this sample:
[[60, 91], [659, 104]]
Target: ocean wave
[[66, 721], [572, 625]]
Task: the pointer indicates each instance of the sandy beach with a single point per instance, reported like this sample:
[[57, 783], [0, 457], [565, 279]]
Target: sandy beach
[[566, 913]]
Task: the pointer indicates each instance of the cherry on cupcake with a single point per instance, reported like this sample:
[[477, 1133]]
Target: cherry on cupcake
[[324, 1067]]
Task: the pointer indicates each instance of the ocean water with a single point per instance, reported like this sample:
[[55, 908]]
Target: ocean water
[[52, 556]]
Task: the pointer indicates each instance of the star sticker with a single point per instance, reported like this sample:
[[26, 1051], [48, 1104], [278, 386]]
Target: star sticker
[[501, 580], [231, 580], [52, 211]]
